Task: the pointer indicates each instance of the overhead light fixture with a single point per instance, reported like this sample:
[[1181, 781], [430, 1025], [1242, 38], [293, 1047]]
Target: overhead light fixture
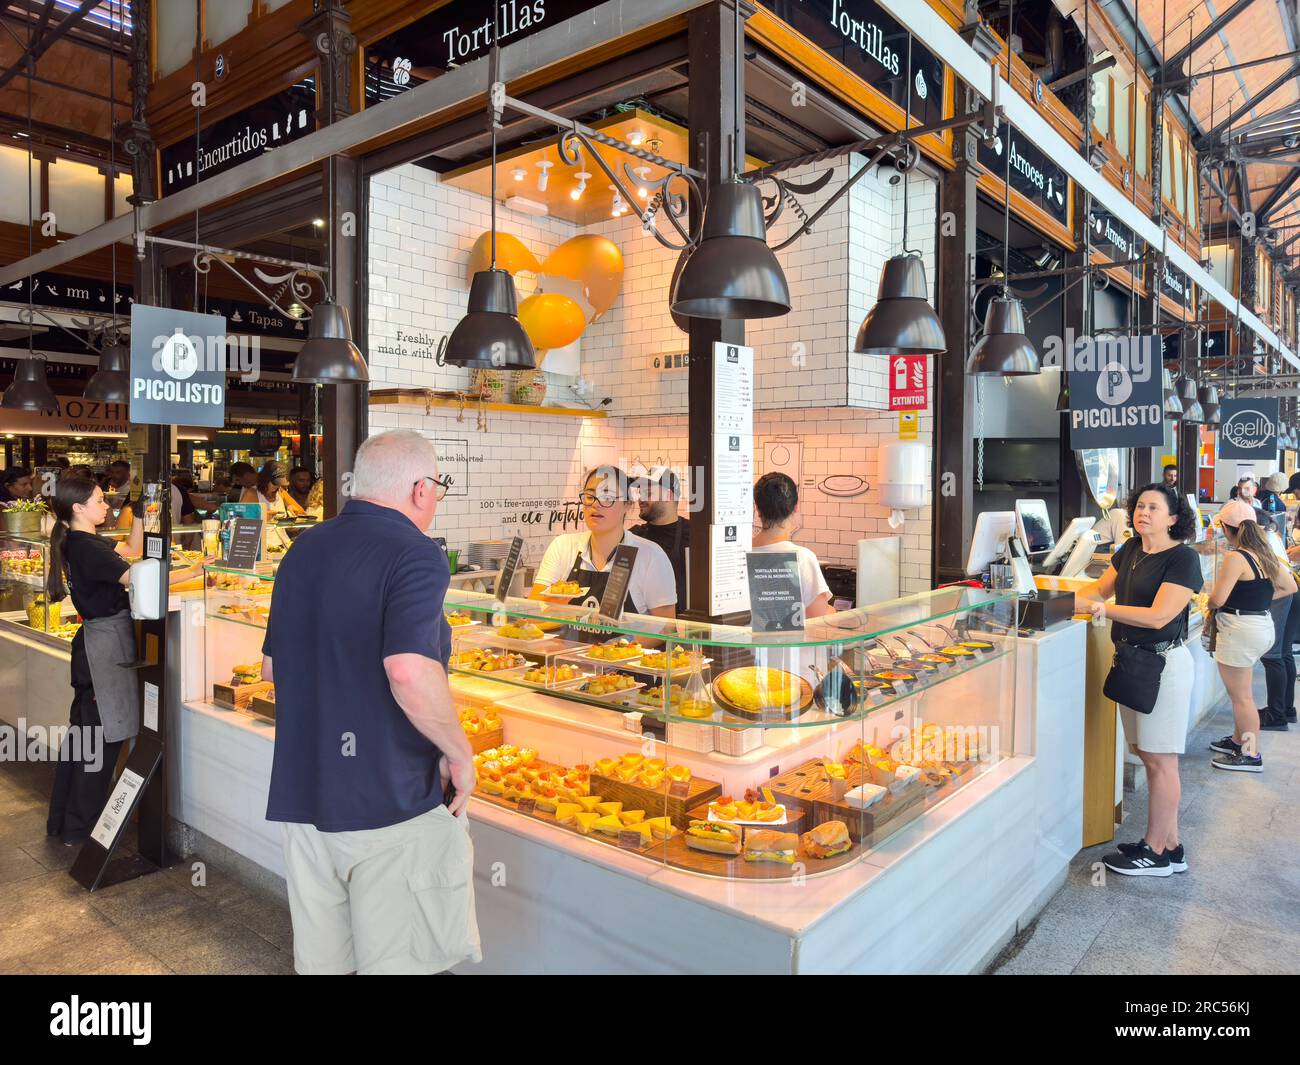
[[1173, 406], [732, 273], [328, 356], [318, 222], [30, 390], [1192, 411], [527, 206], [111, 383], [490, 335], [1004, 350], [643, 172], [581, 187], [519, 173], [636, 138], [1208, 398], [1063, 395], [543, 176]]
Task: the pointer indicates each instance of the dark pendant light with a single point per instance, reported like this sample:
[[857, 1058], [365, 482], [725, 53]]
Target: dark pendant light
[[1063, 396], [30, 391], [1192, 411], [732, 273], [1208, 397], [111, 383], [490, 336], [902, 322], [1173, 406], [328, 356], [1004, 350]]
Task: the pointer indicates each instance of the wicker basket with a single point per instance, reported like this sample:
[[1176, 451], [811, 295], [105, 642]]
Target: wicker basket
[[528, 387], [490, 385]]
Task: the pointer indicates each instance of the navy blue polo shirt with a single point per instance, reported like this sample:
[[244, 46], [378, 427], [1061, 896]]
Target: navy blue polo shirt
[[351, 592]]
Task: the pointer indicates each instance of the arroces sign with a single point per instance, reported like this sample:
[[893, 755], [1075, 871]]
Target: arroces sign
[[1119, 404], [178, 367], [1033, 174], [1248, 428]]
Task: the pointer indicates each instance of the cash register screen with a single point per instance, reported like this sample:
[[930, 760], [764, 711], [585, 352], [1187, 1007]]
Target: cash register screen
[[1035, 525]]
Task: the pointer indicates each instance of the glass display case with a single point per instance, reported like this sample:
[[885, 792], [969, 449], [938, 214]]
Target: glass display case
[[707, 748], [24, 561]]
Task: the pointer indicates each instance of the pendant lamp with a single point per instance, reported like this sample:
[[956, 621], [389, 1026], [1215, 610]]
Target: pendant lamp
[[1208, 397], [1173, 406], [328, 356], [1192, 411], [30, 391], [1063, 396], [490, 335], [1004, 350], [902, 322], [732, 273], [111, 383]]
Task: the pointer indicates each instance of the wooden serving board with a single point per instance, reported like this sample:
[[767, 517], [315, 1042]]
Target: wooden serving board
[[657, 803], [654, 849], [734, 867], [263, 708], [809, 788], [487, 739], [239, 697]]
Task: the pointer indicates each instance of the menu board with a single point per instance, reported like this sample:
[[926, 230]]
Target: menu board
[[733, 434], [775, 594], [620, 573], [245, 543], [728, 546], [509, 568]]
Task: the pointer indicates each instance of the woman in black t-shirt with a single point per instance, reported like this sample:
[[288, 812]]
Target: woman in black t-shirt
[[96, 572], [1153, 578]]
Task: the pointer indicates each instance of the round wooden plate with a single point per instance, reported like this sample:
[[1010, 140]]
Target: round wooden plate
[[779, 713]]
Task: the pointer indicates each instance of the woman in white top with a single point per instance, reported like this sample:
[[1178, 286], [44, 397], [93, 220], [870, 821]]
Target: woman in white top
[[776, 501], [584, 557]]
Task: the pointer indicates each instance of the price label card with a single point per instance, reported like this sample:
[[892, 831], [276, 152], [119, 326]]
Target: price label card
[[509, 568], [245, 544], [118, 808], [527, 806], [151, 706], [629, 840], [679, 789]]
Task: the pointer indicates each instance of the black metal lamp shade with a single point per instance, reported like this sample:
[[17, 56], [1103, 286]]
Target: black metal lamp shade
[[732, 273], [328, 357], [1004, 350], [1187, 391], [111, 383], [1063, 396], [1210, 413], [1173, 406], [30, 390], [902, 322], [490, 336]]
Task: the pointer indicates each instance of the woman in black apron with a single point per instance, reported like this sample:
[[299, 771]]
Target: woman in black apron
[[105, 701], [584, 557]]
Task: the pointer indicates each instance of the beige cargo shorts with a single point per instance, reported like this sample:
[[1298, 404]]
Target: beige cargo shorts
[[388, 901]]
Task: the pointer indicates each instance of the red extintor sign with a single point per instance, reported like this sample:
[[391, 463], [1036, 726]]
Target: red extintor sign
[[909, 388]]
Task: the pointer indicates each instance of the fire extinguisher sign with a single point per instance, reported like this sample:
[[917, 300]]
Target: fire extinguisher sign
[[909, 386]]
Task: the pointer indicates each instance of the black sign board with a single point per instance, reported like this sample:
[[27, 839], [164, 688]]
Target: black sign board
[[456, 33], [865, 38], [620, 573], [1113, 239], [245, 544], [267, 438], [509, 568], [1176, 285], [1116, 394], [1033, 174], [1248, 428], [240, 137], [775, 594], [178, 367], [70, 293]]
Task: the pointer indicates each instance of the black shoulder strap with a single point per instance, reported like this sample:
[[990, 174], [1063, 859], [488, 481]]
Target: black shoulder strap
[[1254, 566]]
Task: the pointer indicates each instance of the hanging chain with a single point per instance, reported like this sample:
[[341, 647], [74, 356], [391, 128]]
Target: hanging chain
[[979, 432]]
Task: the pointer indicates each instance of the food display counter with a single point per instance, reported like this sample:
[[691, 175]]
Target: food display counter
[[743, 794]]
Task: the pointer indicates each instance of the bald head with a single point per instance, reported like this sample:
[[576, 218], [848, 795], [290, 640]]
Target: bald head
[[394, 469]]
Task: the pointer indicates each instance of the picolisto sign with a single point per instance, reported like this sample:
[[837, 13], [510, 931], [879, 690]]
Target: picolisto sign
[[178, 367]]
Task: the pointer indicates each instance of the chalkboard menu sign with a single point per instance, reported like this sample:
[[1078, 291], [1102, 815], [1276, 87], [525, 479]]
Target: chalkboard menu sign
[[245, 544], [1033, 174], [509, 568]]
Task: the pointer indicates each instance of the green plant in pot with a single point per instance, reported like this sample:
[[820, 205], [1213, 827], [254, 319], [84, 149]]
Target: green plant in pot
[[24, 515]]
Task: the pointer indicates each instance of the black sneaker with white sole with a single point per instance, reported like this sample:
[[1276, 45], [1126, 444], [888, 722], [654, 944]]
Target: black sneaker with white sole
[[1227, 745], [1238, 762], [1177, 856], [1140, 860]]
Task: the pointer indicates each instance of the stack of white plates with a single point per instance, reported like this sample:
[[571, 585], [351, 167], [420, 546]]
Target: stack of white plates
[[488, 554]]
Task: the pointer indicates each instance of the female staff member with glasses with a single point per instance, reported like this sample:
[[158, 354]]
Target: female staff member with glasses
[[584, 557]]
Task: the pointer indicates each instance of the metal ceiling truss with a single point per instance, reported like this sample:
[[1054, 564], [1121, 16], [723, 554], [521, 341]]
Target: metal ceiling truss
[[43, 40], [1175, 62]]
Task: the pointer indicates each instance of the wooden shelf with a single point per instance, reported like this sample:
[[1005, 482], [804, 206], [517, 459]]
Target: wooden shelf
[[418, 397]]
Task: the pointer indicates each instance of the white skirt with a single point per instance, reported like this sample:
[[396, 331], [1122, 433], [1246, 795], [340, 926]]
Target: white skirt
[[1164, 730], [1243, 639]]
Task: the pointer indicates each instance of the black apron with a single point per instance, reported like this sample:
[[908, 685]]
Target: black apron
[[595, 581]]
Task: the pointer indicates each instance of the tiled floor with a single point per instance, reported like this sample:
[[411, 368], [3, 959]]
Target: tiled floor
[[181, 920], [1237, 909]]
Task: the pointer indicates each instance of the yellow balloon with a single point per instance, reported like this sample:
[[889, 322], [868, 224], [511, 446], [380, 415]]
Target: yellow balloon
[[551, 320], [594, 261], [512, 255]]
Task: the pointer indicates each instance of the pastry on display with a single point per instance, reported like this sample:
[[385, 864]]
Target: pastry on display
[[610, 808], [565, 812], [766, 845], [678, 774], [479, 660], [249, 674], [568, 589], [679, 659], [647, 835], [756, 688], [676, 695], [608, 684], [717, 837], [728, 809], [610, 824], [557, 674], [588, 802], [584, 822], [660, 827], [826, 840], [616, 650], [523, 630], [457, 618], [631, 817]]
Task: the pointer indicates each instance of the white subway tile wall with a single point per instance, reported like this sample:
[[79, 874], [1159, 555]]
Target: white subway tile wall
[[516, 477]]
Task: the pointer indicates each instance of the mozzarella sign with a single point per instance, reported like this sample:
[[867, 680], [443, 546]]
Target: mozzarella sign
[[178, 367]]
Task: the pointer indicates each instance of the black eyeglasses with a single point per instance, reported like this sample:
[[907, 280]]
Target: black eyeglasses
[[591, 499], [440, 486]]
